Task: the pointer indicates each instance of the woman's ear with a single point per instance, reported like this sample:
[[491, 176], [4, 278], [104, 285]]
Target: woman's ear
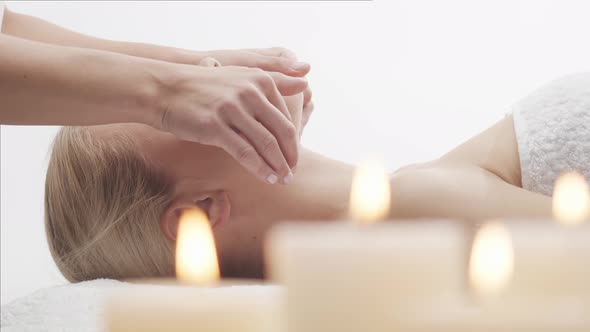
[[215, 204]]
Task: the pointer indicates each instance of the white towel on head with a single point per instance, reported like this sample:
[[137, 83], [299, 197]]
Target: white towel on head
[[552, 128]]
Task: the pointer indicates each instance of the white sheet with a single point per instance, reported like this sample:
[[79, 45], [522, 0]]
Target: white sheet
[[80, 307]]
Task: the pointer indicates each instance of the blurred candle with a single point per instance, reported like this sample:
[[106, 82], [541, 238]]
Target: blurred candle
[[340, 277], [172, 306], [492, 259], [410, 276], [370, 193], [196, 256], [571, 199], [550, 261], [533, 277]]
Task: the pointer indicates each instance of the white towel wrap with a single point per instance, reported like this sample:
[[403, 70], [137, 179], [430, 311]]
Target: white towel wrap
[[553, 132]]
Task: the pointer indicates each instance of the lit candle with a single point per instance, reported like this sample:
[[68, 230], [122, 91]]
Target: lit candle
[[344, 278], [491, 261], [571, 199], [412, 277], [166, 305], [341, 277], [370, 193], [196, 257], [428, 276], [508, 294]]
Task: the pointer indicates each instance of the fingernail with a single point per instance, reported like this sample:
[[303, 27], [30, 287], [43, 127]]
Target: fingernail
[[299, 65], [287, 179], [272, 179]]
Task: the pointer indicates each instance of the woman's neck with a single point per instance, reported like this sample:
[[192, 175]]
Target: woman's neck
[[319, 191]]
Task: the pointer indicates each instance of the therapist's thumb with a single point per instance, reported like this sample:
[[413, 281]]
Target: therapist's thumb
[[283, 65], [288, 85]]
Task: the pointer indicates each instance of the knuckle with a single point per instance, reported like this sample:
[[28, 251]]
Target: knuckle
[[284, 52], [308, 94], [290, 131], [246, 154], [206, 122], [227, 103], [227, 107], [256, 71], [278, 62], [209, 127], [264, 79], [247, 91], [269, 144]]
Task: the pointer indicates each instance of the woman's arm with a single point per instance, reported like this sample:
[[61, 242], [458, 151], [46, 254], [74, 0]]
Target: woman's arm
[[462, 191], [480, 179]]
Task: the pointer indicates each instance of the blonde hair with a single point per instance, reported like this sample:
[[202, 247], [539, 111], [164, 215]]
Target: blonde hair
[[103, 204]]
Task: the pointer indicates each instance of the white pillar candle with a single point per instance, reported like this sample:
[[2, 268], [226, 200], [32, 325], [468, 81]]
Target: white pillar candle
[[459, 314], [185, 305], [550, 260], [346, 277], [185, 308], [413, 277]]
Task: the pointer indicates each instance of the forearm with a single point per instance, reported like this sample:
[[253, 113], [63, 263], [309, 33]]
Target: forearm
[[46, 84], [461, 191], [32, 28]]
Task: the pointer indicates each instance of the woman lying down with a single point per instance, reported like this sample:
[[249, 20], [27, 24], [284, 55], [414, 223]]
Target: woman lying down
[[114, 193]]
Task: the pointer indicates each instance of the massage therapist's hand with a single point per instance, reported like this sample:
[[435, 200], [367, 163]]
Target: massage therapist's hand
[[239, 109], [274, 59], [54, 76]]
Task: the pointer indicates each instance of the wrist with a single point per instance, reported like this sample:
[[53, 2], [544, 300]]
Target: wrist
[[162, 87], [153, 93]]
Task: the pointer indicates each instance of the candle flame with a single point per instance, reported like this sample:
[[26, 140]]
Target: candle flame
[[370, 193], [492, 259], [196, 257], [571, 199]]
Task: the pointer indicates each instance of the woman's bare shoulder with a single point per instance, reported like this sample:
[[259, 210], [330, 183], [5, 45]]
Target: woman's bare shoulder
[[495, 150]]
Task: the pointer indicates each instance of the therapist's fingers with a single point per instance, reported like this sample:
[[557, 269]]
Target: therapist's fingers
[[307, 110], [241, 150], [288, 85], [265, 144], [282, 65], [279, 64], [278, 123], [307, 95], [275, 51]]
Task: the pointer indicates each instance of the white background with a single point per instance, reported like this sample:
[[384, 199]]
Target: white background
[[408, 79]]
